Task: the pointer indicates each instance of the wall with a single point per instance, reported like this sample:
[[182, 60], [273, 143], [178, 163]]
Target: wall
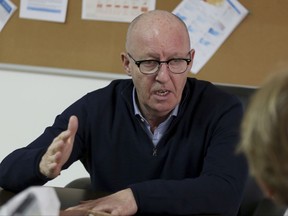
[[254, 50], [30, 102]]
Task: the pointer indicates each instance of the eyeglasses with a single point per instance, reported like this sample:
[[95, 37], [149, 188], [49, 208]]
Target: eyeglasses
[[149, 67]]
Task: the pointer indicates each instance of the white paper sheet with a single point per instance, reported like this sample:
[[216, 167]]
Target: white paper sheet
[[47, 10], [115, 10], [209, 23], [7, 8], [35, 200]]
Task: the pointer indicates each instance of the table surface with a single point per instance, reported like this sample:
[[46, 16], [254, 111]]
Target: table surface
[[67, 196]]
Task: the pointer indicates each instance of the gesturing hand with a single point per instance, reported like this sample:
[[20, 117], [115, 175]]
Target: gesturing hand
[[118, 204], [59, 150]]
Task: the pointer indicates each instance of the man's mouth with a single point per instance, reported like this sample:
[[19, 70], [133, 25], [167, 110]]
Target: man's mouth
[[162, 92]]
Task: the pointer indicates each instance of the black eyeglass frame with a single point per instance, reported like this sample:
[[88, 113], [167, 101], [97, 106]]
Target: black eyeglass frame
[[138, 63]]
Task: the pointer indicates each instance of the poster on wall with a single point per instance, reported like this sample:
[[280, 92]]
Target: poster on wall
[[46, 10], [209, 23], [115, 10], [7, 9]]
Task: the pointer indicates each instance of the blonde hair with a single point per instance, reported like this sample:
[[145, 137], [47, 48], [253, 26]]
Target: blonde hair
[[264, 135]]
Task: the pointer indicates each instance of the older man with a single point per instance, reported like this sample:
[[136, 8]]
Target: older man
[[160, 142]]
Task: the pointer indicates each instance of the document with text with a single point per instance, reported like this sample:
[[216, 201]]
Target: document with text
[[209, 23], [7, 9], [47, 10], [115, 10]]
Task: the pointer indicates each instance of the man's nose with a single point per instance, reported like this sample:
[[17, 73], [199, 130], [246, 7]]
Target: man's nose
[[163, 72]]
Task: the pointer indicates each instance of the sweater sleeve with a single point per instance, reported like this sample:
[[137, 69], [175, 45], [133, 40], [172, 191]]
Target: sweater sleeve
[[219, 187], [20, 169]]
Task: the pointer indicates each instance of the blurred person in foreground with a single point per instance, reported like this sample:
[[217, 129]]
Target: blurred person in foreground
[[264, 138], [160, 143]]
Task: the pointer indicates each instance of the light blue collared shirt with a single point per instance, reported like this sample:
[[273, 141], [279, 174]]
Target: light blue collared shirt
[[161, 129]]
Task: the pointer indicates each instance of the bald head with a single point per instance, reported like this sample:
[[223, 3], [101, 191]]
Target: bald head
[[156, 23]]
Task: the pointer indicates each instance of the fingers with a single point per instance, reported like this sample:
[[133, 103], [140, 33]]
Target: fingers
[[70, 132], [48, 167], [98, 213], [59, 151], [119, 203], [87, 206], [65, 138], [58, 143]]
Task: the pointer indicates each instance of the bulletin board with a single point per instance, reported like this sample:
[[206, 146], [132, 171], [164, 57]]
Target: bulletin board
[[255, 49]]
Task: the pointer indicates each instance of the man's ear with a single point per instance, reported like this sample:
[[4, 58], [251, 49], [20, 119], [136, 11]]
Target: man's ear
[[125, 63], [192, 53]]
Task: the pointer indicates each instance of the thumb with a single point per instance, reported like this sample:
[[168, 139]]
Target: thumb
[[73, 125]]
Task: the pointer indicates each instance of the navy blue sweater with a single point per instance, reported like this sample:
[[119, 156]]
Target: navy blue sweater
[[194, 171]]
